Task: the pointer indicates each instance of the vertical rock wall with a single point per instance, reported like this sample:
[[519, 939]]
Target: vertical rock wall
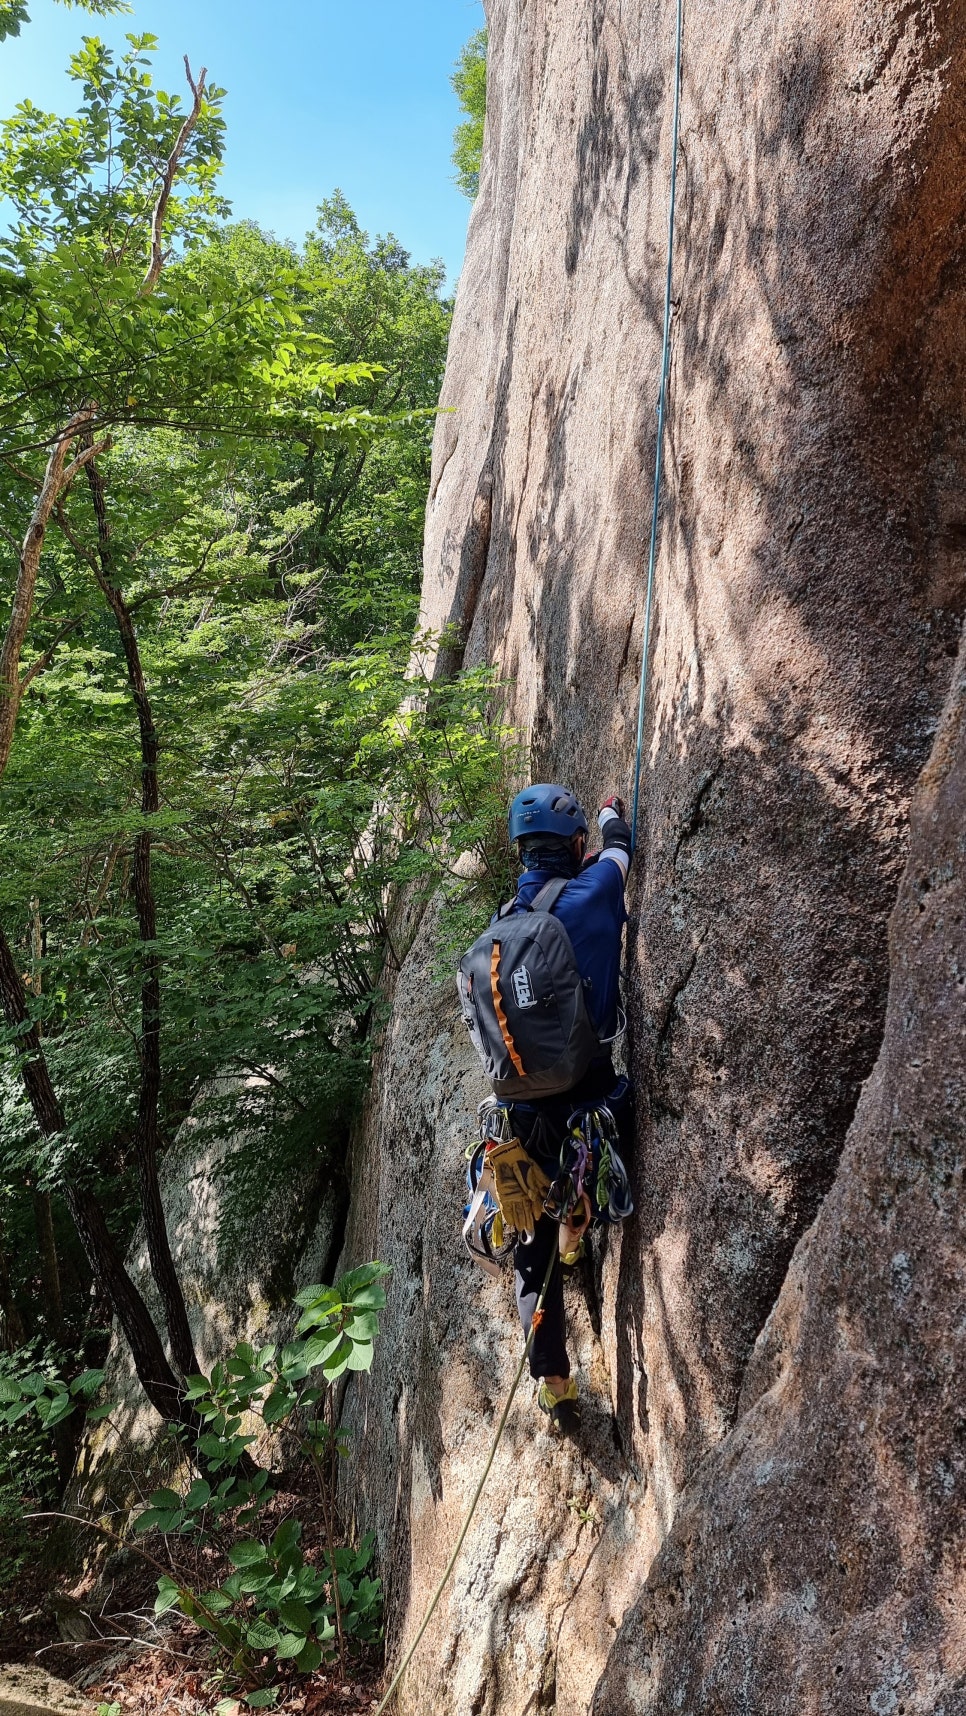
[[810, 589]]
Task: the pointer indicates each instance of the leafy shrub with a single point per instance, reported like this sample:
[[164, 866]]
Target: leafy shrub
[[33, 1400], [275, 1602]]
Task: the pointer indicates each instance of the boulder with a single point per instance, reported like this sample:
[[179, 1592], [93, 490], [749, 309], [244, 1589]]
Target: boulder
[[32, 1692]]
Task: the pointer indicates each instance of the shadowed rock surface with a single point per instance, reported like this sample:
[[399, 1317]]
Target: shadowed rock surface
[[810, 591], [819, 1561], [32, 1692]]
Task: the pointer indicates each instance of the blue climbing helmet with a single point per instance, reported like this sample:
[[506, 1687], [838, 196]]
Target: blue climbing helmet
[[546, 809]]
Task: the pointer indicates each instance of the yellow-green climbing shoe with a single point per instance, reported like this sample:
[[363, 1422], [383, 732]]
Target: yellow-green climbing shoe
[[563, 1410]]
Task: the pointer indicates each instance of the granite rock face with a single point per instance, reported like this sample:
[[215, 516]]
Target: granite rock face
[[818, 1562], [810, 590], [239, 1278]]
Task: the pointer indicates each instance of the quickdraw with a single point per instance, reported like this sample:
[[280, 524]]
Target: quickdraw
[[590, 1164]]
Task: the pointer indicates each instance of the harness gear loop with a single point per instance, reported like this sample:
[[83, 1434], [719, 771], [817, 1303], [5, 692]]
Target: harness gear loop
[[661, 409]]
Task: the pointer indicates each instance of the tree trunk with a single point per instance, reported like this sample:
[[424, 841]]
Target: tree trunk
[[12, 1333], [57, 480], [53, 1301], [49, 1265], [147, 1135], [155, 1373]]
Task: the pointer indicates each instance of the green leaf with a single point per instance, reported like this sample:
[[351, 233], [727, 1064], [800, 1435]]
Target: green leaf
[[164, 1498], [87, 1383], [246, 1553], [309, 1657], [263, 1698], [168, 1595], [217, 1601], [294, 1614], [361, 1356], [198, 1496], [278, 1405], [359, 1278], [261, 1635], [286, 1538], [290, 1645]]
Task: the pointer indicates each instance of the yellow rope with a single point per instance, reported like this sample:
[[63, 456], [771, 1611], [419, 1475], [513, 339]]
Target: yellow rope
[[451, 1563]]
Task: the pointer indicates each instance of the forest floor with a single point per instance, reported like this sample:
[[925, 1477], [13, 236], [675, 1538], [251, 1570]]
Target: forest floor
[[115, 1652]]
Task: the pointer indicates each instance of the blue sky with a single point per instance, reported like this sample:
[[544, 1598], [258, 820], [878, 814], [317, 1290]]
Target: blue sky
[[321, 93]]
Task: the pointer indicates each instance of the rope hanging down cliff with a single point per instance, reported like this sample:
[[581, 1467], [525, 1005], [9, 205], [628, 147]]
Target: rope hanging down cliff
[[661, 407], [464, 1528], [652, 557]]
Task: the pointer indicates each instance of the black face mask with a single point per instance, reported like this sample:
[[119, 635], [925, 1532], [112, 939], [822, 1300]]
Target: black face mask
[[552, 860]]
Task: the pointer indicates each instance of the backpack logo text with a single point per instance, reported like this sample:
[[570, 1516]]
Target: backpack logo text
[[523, 988]]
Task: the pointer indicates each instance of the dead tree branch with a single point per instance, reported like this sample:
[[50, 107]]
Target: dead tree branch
[[167, 183]]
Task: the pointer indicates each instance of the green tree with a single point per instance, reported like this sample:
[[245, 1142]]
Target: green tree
[[13, 13], [469, 82], [117, 317], [220, 768]]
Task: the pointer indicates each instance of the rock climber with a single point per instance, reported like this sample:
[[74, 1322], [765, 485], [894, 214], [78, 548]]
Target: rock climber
[[549, 827]]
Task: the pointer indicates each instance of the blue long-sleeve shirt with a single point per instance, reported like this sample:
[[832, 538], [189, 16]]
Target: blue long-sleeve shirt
[[591, 909]]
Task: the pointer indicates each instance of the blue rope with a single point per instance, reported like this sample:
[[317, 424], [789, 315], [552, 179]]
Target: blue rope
[[661, 407]]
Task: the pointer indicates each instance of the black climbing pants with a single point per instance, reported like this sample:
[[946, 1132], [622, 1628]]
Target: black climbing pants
[[548, 1353], [540, 1127]]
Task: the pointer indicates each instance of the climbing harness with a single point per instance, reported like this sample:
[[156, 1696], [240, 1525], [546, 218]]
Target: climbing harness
[[661, 409], [471, 1510], [485, 1234], [589, 1166]]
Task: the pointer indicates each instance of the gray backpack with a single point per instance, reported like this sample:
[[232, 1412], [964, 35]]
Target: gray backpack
[[523, 1002]]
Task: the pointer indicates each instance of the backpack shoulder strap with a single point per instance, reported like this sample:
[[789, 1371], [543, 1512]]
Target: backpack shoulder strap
[[549, 894]]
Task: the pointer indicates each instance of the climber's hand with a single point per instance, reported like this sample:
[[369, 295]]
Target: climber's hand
[[615, 829], [616, 804]]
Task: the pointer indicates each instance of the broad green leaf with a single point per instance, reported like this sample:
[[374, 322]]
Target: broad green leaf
[[309, 1657], [168, 1595], [295, 1615], [261, 1635], [246, 1553], [290, 1645]]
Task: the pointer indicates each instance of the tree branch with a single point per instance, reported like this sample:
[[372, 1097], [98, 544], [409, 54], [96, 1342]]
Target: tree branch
[[43, 661], [57, 478], [164, 196]]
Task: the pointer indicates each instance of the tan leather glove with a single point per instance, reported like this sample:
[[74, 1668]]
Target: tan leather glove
[[519, 1185]]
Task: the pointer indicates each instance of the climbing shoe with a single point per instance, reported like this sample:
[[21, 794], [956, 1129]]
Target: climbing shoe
[[573, 1227], [563, 1410], [569, 1258]]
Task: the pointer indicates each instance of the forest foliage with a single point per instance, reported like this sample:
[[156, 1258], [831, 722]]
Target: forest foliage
[[469, 83], [223, 762]]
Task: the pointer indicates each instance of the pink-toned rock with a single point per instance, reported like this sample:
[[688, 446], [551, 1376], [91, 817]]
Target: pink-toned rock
[[818, 1563], [810, 590]]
